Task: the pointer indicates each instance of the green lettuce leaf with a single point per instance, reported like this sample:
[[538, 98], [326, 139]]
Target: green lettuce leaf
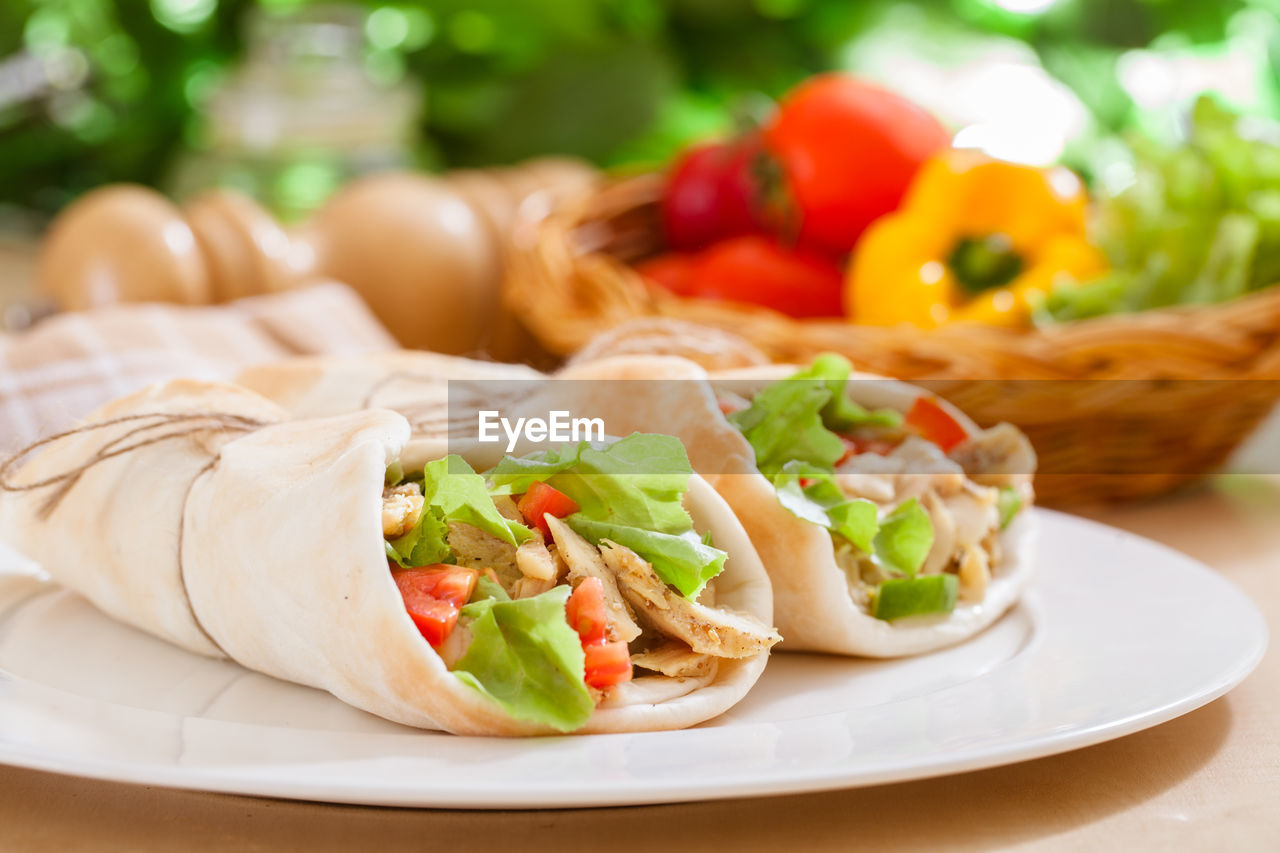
[[1008, 504], [904, 539], [455, 492], [524, 656], [900, 597], [842, 414], [487, 587], [822, 502], [423, 545], [515, 474], [793, 419], [685, 560], [637, 481], [630, 492], [784, 424], [452, 491]]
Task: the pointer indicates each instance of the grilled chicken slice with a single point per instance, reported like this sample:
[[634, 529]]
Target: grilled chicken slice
[[974, 569], [528, 587], [507, 508], [909, 470], [721, 633], [1000, 456], [675, 659], [584, 561], [535, 561], [401, 507], [477, 549]]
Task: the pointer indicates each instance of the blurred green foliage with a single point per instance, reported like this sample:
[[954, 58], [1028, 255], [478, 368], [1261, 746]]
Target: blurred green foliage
[[618, 81]]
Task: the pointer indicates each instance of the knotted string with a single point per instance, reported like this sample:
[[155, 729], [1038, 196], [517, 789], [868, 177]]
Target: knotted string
[[129, 441], [189, 423]]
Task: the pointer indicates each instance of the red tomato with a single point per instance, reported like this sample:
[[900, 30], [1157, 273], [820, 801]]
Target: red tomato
[[934, 423], [607, 664], [710, 194], [756, 269], [674, 271], [432, 596], [848, 151], [585, 613], [858, 446], [435, 619], [541, 500]]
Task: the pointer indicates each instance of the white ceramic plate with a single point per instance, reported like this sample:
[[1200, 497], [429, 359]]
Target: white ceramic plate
[[1116, 634]]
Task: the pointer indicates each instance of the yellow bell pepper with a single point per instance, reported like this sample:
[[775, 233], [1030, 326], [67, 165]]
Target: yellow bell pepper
[[975, 240]]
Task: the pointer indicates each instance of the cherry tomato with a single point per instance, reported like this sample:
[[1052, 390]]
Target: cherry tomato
[[934, 423], [711, 194], [848, 151], [542, 500], [433, 595], [607, 664], [673, 270], [758, 270], [585, 613]]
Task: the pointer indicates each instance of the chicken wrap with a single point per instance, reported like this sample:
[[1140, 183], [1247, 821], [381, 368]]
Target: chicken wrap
[[889, 522], [588, 588]]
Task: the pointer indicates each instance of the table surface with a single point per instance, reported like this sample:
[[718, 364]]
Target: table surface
[[1210, 779]]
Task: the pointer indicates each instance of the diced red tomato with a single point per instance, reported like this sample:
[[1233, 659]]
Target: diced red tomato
[[934, 423], [857, 446], [585, 611], [441, 581], [435, 619], [542, 500], [607, 664], [433, 595]]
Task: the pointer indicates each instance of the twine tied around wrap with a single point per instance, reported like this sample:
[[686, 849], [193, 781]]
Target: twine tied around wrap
[[187, 423], [184, 424]]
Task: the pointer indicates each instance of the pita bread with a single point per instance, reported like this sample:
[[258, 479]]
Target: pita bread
[[812, 604], [273, 556]]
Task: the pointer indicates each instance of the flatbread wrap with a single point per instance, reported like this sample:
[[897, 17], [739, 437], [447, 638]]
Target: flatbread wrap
[[336, 553], [889, 522], [833, 593]]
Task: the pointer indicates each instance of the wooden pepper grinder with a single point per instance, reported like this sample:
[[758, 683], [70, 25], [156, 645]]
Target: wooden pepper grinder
[[425, 252]]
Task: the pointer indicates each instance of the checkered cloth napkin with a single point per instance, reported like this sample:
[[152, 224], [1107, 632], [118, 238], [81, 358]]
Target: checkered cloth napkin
[[57, 372]]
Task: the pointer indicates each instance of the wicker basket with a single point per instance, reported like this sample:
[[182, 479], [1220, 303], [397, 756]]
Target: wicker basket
[[1200, 379]]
